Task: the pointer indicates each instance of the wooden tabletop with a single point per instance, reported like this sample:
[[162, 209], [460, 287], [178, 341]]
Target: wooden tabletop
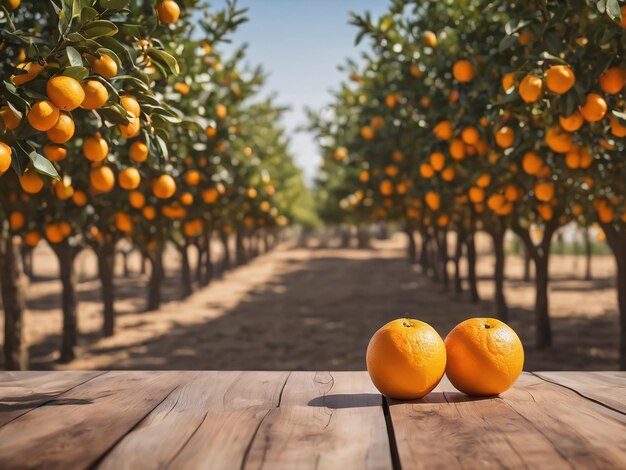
[[292, 420]]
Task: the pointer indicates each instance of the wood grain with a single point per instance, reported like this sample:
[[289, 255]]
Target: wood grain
[[604, 388], [325, 420], [77, 427], [21, 392]]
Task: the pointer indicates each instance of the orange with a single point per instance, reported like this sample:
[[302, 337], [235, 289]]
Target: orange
[[340, 153], [364, 176], [406, 359], [210, 195], [573, 122], [443, 130], [367, 133], [617, 129], [448, 174], [586, 159], [612, 81], [532, 163], [545, 211], [63, 130], [32, 70], [437, 160], [221, 111], [544, 191], [5, 157], [65, 92], [211, 132], [138, 151], [470, 135], [485, 356], [182, 88], [164, 187], [386, 188], [11, 120], [426, 170], [508, 80], [476, 194], [558, 140], [416, 71], [623, 20], [149, 213], [594, 108], [483, 180], [525, 38], [102, 179], [43, 115], [192, 177], [559, 79], [186, 198], [54, 233], [79, 198], [463, 71], [95, 148], [123, 222], [96, 95], [16, 220], [63, 191], [433, 200], [104, 66], [168, 11], [512, 193], [429, 39], [130, 130], [131, 105], [457, 149], [32, 239], [505, 136], [397, 156], [391, 170], [129, 178], [54, 152], [572, 160], [530, 88], [31, 182], [136, 199], [391, 101], [377, 122]]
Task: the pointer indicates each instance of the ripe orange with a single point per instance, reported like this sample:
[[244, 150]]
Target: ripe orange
[[476, 194], [192, 177], [545, 211], [168, 11], [54, 233], [532, 163], [11, 120], [31, 182], [415, 71], [130, 130], [129, 178], [573, 122], [63, 130], [221, 111], [612, 81], [138, 151], [558, 140], [364, 176], [16, 220], [102, 179], [5, 157], [211, 132], [340, 153], [104, 65], [377, 122], [54, 152], [426, 170], [448, 174], [123, 222], [544, 191], [485, 356], [66, 93], [96, 95], [186, 198], [508, 81], [79, 198], [32, 238], [525, 38], [429, 39], [149, 212], [43, 115], [433, 200], [463, 71], [164, 187], [95, 148], [594, 108], [483, 180], [210, 195], [131, 105], [530, 88], [443, 130], [505, 136], [470, 135], [136, 199], [367, 133], [32, 70], [182, 88], [617, 129], [457, 149], [406, 359], [559, 79], [63, 191], [437, 160]]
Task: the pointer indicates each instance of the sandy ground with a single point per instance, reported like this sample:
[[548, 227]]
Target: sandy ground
[[311, 308]]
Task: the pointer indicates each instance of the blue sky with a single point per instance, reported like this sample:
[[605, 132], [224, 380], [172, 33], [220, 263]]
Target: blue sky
[[300, 43]]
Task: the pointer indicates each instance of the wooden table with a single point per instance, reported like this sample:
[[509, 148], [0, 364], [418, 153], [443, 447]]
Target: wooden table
[[293, 420]]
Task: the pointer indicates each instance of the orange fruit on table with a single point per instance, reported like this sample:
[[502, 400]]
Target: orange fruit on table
[[429, 39], [102, 179], [95, 148], [406, 359], [463, 71], [96, 95], [5, 157], [559, 79], [54, 152], [11, 120], [43, 115], [138, 151], [612, 81], [168, 11], [105, 65], [63, 130], [573, 122], [164, 187], [485, 356], [505, 136], [129, 178], [530, 88], [32, 70], [594, 108], [31, 182], [66, 93]]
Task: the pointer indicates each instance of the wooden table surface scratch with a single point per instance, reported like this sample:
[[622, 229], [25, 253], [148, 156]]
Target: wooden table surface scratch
[[293, 420]]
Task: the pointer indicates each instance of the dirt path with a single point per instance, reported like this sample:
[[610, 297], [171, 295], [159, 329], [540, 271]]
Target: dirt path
[[313, 309]]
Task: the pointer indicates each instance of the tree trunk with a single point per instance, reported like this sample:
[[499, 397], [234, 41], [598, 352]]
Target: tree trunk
[[208, 263], [423, 261], [126, 267], [226, 255], [411, 246], [240, 249], [458, 253], [502, 311], [12, 285], [588, 246], [527, 260], [106, 268], [200, 261], [471, 267], [543, 330], [27, 260], [346, 235], [443, 253], [66, 255], [362, 237], [185, 270], [156, 279]]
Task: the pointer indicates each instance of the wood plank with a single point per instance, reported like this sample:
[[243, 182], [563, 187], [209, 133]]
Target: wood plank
[[325, 420], [233, 413], [20, 392], [605, 389], [76, 428], [448, 430]]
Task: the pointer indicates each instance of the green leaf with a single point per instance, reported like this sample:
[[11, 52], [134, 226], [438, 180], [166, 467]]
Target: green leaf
[[43, 165], [99, 28], [507, 42], [74, 57], [113, 4], [79, 73], [87, 14], [166, 59]]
